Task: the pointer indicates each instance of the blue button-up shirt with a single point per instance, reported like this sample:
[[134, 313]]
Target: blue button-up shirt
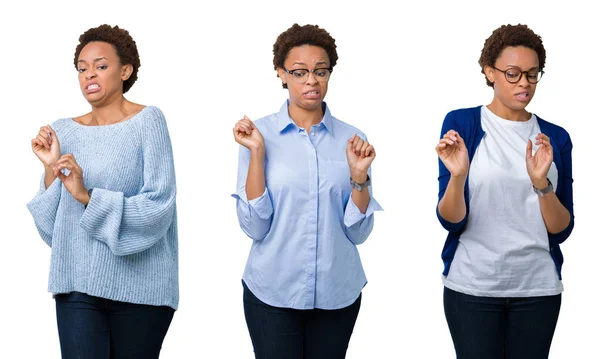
[[305, 226]]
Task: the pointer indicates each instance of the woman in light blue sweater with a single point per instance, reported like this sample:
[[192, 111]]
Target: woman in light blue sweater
[[106, 207]]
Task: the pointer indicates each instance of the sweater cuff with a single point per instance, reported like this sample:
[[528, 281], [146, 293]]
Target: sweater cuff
[[45, 202]]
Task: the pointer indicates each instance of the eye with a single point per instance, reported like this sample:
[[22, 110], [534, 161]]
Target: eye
[[81, 69], [102, 67], [533, 75], [321, 72], [513, 74], [299, 73]]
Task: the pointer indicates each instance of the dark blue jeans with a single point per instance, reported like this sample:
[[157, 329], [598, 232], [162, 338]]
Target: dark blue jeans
[[97, 328], [284, 333], [501, 328]]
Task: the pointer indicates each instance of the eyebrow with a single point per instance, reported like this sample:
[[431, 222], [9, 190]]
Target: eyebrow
[[302, 63], [533, 68], [95, 60]]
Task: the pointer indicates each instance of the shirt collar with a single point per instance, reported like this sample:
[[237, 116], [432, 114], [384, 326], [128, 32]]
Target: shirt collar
[[284, 120]]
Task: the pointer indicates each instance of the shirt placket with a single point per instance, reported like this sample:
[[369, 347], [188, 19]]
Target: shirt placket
[[313, 220]]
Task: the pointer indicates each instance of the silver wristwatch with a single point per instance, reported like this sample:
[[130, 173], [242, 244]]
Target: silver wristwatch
[[359, 186], [542, 192]]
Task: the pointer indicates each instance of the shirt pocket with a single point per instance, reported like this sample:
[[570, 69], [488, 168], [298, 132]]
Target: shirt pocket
[[337, 178]]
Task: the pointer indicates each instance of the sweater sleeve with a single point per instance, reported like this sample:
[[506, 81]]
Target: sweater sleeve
[[450, 123], [43, 208], [254, 216], [129, 225], [566, 193]]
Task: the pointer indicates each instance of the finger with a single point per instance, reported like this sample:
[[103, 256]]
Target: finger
[[36, 144], [528, 150], [363, 149], [350, 143], [247, 121], [51, 134], [66, 158], [61, 176], [447, 141], [43, 141], [244, 128], [452, 136], [358, 142], [45, 132], [370, 150]]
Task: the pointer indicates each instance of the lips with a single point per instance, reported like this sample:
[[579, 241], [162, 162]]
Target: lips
[[523, 96], [92, 87], [312, 94]]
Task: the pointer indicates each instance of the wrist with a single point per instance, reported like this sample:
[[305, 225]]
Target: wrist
[[540, 183], [258, 150], [358, 177], [49, 168], [86, 197]]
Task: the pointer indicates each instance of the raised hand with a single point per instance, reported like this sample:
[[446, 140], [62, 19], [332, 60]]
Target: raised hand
[[539, 164], [360, 154], [46, 146], [247, 135], [453, 153], [73, 182]]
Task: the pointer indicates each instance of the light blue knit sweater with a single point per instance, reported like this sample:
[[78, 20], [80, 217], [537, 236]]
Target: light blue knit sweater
[[123, 246]]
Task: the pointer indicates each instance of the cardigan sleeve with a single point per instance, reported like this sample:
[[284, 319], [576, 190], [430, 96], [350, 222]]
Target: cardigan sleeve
[[565, 195], [450, 123], [129, 225]]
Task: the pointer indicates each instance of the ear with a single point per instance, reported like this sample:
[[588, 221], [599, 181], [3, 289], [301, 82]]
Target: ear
[[490, 73], [126, 71], [281, 74]]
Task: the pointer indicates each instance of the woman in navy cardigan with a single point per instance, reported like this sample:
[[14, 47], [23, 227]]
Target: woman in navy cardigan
[[506, 199]]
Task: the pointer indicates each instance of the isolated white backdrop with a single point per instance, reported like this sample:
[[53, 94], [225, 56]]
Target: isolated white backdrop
[[401, 69]]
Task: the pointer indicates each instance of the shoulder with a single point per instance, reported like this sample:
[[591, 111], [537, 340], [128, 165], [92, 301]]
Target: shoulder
[[151, 118], [64, 127], [61, 123], [552, 130], [465, 116], [559, 136], [269, 123]]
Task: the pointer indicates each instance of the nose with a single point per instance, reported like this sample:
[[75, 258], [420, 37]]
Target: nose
[[90, 74], [523, 80], [314, 78]]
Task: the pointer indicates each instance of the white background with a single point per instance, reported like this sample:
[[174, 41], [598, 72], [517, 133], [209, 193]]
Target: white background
[[401, 69]]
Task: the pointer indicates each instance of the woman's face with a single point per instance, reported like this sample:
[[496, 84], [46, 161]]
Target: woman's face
[[308, 95], [514, 96], [101, 74]]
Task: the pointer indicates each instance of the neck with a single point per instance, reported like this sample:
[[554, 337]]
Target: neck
[[500, 110], [305, 118], [112, 112]]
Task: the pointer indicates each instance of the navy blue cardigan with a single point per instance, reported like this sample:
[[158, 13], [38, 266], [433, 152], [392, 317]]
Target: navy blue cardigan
[[467, 122]]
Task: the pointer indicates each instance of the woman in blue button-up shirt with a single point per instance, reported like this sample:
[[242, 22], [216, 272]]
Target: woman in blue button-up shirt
[[303, 196]]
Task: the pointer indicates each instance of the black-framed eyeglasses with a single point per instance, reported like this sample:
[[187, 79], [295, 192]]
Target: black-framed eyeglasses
[[301, 75], [513, 75]]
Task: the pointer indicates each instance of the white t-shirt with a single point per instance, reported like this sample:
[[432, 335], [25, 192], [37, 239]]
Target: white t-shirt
[[504, 250]]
